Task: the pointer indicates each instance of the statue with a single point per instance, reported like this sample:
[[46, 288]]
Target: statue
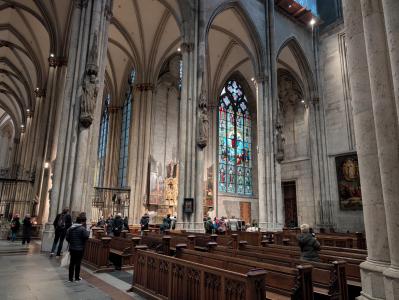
[[280, 143], [203, 121], [90, 88]]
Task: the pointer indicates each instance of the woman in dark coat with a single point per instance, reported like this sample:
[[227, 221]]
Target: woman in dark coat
[[309, 245], [26, 230]]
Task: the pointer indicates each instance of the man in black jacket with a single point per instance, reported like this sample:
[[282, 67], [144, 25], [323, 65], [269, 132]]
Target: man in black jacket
[[77, 236], [61, 224]]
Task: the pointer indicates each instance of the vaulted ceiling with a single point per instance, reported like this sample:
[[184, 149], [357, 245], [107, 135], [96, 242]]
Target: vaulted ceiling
[[29, 31], [231, 49], [142, 35]]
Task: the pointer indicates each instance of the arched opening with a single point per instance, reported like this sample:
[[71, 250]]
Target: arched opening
[[231, 164]]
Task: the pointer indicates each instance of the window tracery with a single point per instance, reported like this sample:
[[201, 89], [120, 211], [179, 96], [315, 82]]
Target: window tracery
[[235, 143]]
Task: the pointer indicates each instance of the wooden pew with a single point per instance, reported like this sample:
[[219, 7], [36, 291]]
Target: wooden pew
[[281, 282], [329, 280], [353, 260], [122, 251], [96, 254], [163, 277]]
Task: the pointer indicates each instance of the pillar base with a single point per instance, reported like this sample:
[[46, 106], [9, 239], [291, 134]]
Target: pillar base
[[190, 227], [372, 280], [391, 283], [268, 226], [47, 237]]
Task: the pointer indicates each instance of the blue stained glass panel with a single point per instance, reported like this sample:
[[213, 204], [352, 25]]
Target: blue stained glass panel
[[235, 161]]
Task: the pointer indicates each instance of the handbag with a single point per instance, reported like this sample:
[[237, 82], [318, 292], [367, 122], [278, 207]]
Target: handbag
[[65, 260]]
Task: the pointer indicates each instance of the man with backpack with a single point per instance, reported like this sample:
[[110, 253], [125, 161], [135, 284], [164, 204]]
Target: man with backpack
[[61, 224]]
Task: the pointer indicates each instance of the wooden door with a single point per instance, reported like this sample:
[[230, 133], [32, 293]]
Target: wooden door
[[245, 212], [290, 207]]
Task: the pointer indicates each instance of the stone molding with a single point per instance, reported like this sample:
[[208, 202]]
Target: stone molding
[[39, 93], [187, 47], [57, 61], [145, 87]]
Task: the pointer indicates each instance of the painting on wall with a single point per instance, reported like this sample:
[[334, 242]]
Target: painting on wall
[[348, 179]]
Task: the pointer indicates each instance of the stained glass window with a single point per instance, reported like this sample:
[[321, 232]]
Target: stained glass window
[[124, 145], [102, 144], [235, 145]]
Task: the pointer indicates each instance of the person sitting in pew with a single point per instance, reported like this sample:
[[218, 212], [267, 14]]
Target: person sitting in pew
[[309, 245]]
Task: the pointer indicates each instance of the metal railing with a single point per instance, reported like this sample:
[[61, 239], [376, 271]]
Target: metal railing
[[110, 201]]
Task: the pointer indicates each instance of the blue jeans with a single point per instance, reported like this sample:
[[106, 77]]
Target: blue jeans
[[13, 236]]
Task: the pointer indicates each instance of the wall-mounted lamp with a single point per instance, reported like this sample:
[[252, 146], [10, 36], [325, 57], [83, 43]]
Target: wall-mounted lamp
[[46, 165]]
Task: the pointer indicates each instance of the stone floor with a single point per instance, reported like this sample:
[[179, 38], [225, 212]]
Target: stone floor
[[36, 276]]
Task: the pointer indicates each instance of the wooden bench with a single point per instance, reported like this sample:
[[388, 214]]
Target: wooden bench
[[282, 282], [353, 257], [163, 277], [329, 280], [96, 254], [121, 252]]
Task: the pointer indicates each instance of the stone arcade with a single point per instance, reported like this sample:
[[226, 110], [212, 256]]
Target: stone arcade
[[275, 112]]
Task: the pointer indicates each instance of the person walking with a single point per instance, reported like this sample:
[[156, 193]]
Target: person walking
[[15, 225], [308, 244], [61, 224], [76, 236], [26, 229]]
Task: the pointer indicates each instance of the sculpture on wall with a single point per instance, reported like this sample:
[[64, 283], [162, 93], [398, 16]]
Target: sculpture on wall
[[280, 143], [90, 88], [203, 121]]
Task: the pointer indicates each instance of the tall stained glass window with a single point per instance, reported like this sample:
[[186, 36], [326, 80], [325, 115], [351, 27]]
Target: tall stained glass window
[[102, 144], [235, 145], [124, 145]]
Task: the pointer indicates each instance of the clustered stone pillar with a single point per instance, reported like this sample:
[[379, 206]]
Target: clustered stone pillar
[[72, 155], [372, 75]]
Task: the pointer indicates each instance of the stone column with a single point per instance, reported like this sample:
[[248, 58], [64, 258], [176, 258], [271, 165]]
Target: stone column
[[387, 133], [366, 144], [139, 154], [72, 163], [184, 183], [391, 12], [260, 99]]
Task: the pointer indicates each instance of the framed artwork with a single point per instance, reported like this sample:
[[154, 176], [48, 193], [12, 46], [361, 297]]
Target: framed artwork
[[348, 179], [188, 205]]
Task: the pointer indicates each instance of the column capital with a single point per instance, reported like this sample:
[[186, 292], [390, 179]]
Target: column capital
[[57, 61], [145, 86], [187, 47], [114, 109], [39, 92], [80, 3], [261, 78]]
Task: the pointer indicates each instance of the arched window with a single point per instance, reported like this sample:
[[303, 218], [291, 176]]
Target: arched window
[[124, 145], [235, 145], [102, 144]]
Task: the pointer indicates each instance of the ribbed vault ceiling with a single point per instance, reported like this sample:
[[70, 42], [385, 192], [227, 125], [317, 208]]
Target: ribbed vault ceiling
[[142, 34], [29, 31]]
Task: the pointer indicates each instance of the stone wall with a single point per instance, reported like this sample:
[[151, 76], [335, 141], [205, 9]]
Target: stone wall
[[336, 95]]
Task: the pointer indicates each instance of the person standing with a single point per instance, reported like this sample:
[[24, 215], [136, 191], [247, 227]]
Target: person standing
[[26, 229], [117, 225], [15, 224], [144, 222], [308, 244], [61, 224], [76, 236]]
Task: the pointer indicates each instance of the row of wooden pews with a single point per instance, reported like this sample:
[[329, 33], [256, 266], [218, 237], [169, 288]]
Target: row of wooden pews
[[287, 276]]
